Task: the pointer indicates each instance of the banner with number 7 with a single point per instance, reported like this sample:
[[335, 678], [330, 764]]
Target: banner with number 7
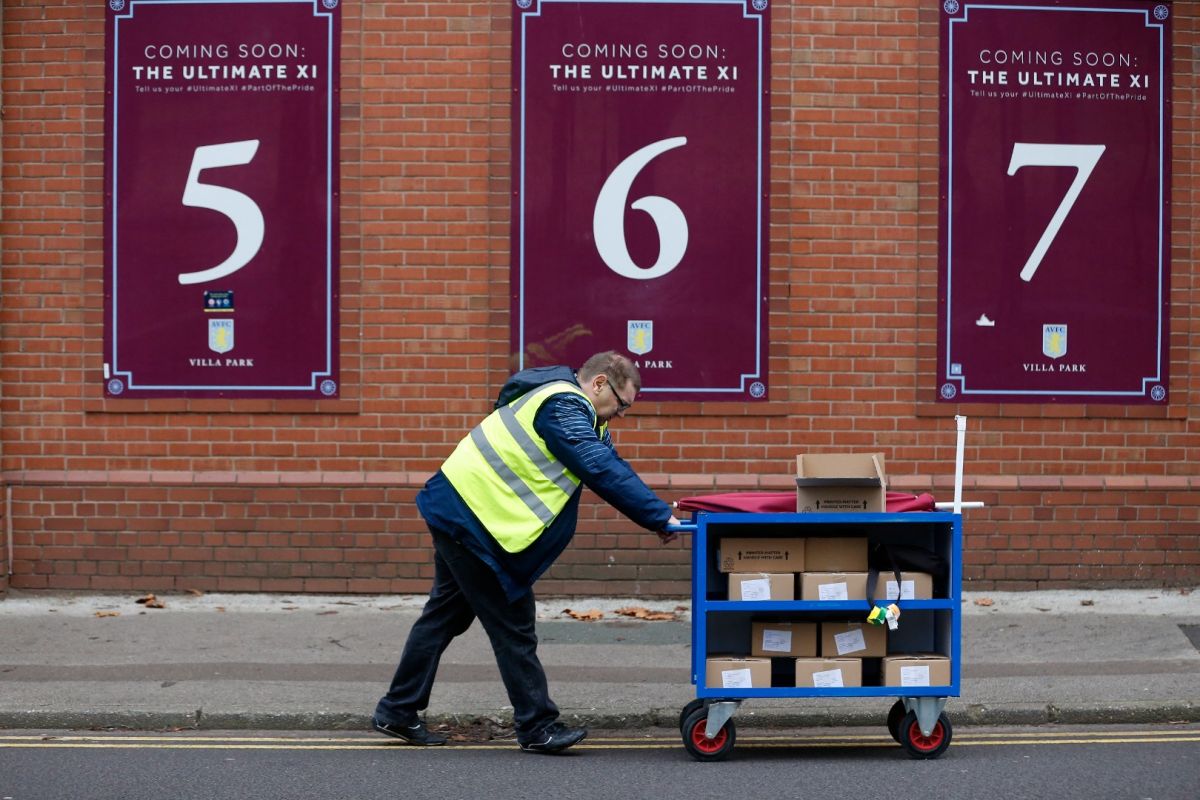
[[1054, 234]]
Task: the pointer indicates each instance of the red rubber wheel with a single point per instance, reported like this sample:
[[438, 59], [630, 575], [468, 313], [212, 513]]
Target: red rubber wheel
[[917, 744], [687, 711], [894, 717], [699, 746]]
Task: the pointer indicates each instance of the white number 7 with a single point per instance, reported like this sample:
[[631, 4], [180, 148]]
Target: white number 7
[[1081, 156], [245, 214]]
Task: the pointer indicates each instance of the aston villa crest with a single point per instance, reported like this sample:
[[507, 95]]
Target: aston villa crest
[[220, 335], [1054, 340], [640, 336]]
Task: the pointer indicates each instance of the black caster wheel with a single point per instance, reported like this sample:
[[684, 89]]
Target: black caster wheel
[[687, 711], [893, 719], [918, 745], [701, 747]]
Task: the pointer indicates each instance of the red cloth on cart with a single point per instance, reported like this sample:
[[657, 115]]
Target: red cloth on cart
[[785, 502]]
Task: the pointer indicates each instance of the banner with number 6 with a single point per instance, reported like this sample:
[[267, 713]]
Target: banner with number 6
[[221, 192], [1055, 235], [639, 217]]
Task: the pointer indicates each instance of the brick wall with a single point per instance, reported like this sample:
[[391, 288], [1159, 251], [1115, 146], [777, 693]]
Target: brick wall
[[306, 496], [292, 536], [4, 565]]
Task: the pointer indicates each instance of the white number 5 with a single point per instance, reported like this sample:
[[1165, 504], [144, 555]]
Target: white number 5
[[242, 211], [1081, 156]]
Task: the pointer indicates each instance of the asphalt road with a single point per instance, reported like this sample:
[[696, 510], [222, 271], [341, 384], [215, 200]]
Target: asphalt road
[[1159, 762]]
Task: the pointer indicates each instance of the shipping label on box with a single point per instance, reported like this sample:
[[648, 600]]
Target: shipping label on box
[[828, 673], [761, 555], [835, 554], [912, 586], [858, 639], [737, 672], [840, 482], [833, 586], [923, 669], [759, 586], [783, 639]]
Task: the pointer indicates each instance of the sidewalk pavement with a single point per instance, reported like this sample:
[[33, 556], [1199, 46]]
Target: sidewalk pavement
[[294, 662]]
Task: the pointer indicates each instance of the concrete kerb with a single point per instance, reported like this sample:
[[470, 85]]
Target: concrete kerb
[[1134, 713]]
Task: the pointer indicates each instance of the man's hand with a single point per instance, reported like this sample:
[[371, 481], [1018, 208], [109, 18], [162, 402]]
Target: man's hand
[[666, 536]]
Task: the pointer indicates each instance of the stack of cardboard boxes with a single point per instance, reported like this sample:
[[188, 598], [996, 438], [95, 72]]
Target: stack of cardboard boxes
[[827, 653]]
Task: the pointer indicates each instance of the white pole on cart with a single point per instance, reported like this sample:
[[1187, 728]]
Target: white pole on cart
[[961, 423]]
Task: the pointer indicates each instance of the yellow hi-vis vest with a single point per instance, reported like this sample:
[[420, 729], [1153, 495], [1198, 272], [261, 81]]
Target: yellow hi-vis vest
[[505, 474]]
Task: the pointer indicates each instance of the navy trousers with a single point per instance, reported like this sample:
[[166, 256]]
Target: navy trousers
[[465, 588]]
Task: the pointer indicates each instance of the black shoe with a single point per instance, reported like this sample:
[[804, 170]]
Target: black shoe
[[416, 734], [554, 739]]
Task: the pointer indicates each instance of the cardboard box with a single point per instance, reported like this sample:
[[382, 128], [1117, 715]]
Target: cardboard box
[[855, 639], [834, 586], [835, 554], [923, 669], [828, 673], [840, 482], [752, 586], [913, 586], [783, 639], [761, 555], [737, 672]]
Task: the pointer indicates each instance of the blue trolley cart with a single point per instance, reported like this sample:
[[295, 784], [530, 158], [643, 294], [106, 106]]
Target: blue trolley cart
[[719, 625]]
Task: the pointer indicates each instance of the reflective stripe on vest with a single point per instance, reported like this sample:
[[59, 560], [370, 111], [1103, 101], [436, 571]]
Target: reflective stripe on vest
[[505, 474]]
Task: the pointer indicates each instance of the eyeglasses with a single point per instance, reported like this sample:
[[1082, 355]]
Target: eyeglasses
[[622, 406]]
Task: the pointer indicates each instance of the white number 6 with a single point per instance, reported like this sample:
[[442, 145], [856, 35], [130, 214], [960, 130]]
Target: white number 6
[[608, 220], [242, 211], [1081, 156]]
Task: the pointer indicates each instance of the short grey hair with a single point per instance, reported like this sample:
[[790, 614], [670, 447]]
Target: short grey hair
[[619, 369]]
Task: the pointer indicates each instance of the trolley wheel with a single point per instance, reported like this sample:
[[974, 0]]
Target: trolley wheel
[[893, 719], [701, 747], [916, 744], [687, 711]]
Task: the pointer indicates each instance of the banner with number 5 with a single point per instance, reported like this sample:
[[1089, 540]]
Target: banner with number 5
[[221, 192], [639, 219], [1055, 222]]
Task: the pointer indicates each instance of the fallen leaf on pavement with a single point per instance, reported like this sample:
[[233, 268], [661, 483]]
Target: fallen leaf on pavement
[[586, 616], [984, 601], [150, 601], [645, 613], [1087, 602], [108, 613], [325, 613], [196, 592]]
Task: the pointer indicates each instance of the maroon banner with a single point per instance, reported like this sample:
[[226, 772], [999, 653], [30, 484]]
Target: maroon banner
[[1055, 227], [221, 186], [640, 159]]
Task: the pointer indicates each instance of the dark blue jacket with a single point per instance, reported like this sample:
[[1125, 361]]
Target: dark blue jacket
[[567, 423]]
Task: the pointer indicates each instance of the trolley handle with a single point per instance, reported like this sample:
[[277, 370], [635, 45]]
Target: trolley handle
[[683, 527]]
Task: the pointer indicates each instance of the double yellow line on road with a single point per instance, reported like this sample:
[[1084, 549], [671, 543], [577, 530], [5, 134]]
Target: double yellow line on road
[[187, 741]]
